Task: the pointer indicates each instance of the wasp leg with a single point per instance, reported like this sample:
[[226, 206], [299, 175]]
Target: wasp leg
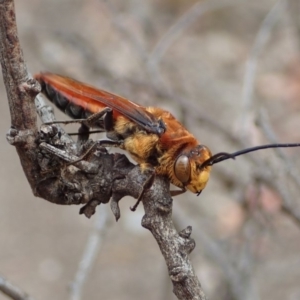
[[90, 132], [65, 122], [69, 158], [93, 121], [106, 114], [108, 121], [83, 134], [177, 192], [147, 185], [103, 143]]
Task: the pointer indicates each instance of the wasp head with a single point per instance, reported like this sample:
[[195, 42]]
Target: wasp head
[[189, 170]]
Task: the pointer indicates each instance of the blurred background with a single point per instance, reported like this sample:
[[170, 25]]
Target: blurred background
[[230, 71]]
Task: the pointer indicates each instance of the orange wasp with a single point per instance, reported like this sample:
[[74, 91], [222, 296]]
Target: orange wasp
[[152, 136]]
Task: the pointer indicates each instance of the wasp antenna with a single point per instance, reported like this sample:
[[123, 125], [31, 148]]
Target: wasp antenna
[[224, 156], [216, 158]]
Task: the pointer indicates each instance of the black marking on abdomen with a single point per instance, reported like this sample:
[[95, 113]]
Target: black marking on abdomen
[[64, 104], [74, 111]]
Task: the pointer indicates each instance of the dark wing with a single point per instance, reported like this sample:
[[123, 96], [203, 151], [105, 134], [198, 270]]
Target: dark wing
[[63, 90]]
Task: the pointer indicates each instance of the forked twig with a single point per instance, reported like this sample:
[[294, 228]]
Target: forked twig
[[116, 176]]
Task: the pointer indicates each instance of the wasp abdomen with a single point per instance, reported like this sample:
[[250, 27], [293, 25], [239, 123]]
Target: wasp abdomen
[[64, 104]]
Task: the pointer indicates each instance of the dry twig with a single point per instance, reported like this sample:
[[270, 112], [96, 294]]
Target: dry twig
[[45, 156]]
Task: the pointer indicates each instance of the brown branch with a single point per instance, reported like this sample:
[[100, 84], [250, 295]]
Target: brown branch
[[46, 155], [174, 246], [20, 89]]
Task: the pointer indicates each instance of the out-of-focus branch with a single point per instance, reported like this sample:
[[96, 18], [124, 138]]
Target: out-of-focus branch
[[251, 65], [90, 254], [263, 122], [248, 116], [182, 24], [12, 291]]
